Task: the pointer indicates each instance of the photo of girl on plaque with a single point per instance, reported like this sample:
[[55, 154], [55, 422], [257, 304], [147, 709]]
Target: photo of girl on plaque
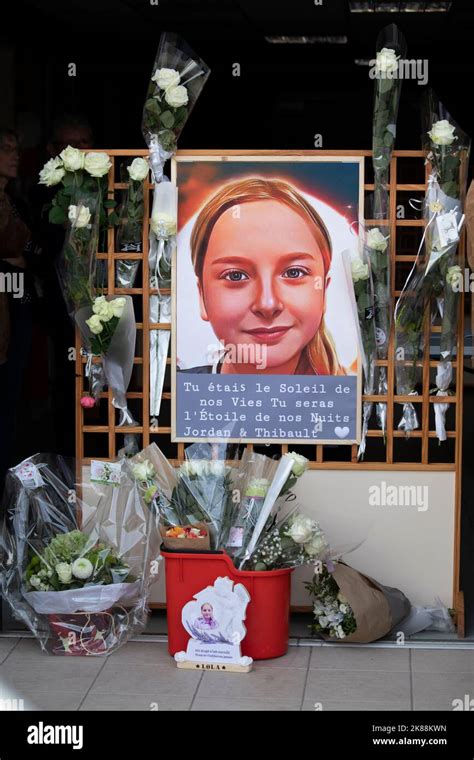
[[261, 285]]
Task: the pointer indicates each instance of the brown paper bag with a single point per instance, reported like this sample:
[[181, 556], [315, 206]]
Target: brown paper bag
[[187, 544], [377, 608]]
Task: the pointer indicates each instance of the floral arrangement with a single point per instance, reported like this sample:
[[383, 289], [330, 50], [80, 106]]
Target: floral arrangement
[[165, 109], [436, 273], [294, 541], [333, 615], [69, 562], [79, 172], [103, 322]]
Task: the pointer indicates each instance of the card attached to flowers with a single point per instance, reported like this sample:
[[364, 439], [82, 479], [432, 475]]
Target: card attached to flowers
[[214, 620], [108, 473]]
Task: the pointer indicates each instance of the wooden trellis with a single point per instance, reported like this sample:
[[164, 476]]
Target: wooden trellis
[[97, 436]]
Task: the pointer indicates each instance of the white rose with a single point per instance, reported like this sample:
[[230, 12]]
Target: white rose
[[95, 324], [117, 305], [317, 546], [386, 62], [64, 572], [35, 581], [166, 78], [300, 463], [323, 621], [143, 470], [442, 133], [360, 271], [52, 172], [454, 277], [340, 632], [176, 96], [138, 169], [82, 568], [102, 308], [302, 529], [163, 224], [216, 467], [196, 467], [80, 216], [376, 240], [344, 608], [72, 158], [97, 164]]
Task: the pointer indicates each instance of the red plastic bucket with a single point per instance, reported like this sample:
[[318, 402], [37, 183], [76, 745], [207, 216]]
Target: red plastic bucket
[[268, 611]]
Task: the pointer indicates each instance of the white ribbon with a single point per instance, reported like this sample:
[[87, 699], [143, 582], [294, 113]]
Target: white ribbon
[[444, 375]]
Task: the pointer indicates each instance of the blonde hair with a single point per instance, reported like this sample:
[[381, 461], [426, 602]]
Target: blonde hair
[[320, 355]]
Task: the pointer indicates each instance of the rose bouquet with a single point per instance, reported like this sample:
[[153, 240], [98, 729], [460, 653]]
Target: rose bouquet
[[130, 221], [436, 274], [290, 542], [350, 607], [80, 174]]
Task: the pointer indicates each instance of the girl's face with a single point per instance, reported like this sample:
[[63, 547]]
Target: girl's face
[[263, 283], [206, 611]]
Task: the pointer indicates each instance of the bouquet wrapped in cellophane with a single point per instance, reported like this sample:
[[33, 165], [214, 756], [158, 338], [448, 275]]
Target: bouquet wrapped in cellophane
[[76, 571], [436, 279]]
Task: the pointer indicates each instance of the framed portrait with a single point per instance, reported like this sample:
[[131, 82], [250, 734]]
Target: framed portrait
[[265, 345]]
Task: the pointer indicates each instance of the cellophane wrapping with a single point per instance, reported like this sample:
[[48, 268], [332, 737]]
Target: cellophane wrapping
[[77, 559]]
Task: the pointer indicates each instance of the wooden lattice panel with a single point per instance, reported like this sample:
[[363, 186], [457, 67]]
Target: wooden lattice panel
[[98, 438]]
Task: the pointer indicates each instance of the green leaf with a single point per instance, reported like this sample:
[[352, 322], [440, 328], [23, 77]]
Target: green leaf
[[57, 215], [167, 119]]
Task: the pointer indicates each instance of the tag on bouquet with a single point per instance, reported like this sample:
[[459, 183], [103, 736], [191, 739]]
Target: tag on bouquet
[[29, 475], [108, 473], [447, 229]]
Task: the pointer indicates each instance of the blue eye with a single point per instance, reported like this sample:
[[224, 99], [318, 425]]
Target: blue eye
[[295, 273], [235, 275]]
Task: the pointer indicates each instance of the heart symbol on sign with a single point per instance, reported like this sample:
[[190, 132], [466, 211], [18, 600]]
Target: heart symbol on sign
[[341, 432]]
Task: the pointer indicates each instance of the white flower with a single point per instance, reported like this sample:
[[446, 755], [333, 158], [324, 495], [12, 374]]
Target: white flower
[[97, 164], [64, 572], [323, 621], [35, 581], [143, 470], [117, 306], [301, 529], [138, 169], [386, 62], [376, 240], [300, 463], [52, 172], [360, 271], [442, 132], [198, 467], [216, 467], [344, 608], [176, 96], [454, 277], [102, 308], [341, 598], [80, 216], [165, 78], [95, 324], [163, 224], [317, 545], [82, 568], [72, 158]]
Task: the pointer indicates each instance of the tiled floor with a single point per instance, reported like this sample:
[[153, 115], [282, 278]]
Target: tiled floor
[[142, 676]]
